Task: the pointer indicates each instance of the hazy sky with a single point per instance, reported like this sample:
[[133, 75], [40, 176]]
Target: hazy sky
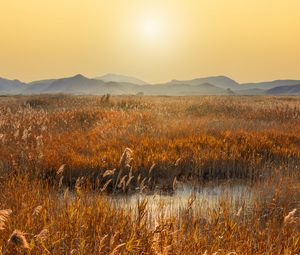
[[156, 40]]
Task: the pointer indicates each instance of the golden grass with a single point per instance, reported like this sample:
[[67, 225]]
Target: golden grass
[[85, 224], [188, 137], [50, 144]]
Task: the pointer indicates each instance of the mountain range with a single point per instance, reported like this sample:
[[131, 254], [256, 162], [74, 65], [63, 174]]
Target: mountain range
[[125, 85]]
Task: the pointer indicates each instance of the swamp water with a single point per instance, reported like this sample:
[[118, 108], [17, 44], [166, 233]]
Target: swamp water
[[201, 199]]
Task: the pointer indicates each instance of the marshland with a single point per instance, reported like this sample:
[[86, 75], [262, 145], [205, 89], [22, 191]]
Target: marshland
[[149, 175]]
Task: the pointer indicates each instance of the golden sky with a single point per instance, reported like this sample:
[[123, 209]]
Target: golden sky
[[156, 40]]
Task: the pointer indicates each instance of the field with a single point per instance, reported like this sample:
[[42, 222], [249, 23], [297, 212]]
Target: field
[[63, 157]]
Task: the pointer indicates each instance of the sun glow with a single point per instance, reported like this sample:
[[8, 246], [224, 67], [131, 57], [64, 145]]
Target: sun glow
[[150, 29], [154, 40]]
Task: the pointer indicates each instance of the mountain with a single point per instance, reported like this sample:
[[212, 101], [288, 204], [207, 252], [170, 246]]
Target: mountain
[[181, 89], [74, 84], [120, 85], [37, 87], [121, 78], [10, 86], [269, 84], [249, 92], [79, 84], [284, 90], [45, 82], [219, 81]]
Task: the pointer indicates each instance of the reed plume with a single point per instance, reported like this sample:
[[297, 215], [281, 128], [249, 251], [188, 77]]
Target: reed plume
[[239, 212], [109, 172], [61, 169], [290, 218], [42, 236], [37, 210], [126, 158], [4, 215]]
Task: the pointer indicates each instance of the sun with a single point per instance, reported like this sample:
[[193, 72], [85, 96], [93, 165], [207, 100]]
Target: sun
[[154, 33], [151, 29]]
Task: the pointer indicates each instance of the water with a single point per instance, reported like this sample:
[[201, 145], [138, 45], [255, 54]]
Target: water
[[202, 199]]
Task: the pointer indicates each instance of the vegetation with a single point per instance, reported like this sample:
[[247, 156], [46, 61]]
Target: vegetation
[[56, 151]]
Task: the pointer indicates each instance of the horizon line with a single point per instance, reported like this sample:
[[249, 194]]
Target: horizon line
[[136, 77]]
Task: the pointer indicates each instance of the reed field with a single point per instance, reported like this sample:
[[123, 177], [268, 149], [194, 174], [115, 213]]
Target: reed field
[[63, 159]]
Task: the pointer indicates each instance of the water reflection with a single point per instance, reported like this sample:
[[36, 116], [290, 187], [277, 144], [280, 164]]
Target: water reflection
[[202, 199]]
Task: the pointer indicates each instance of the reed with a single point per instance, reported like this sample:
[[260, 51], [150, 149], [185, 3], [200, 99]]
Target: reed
[[60, 155], [86, 224]]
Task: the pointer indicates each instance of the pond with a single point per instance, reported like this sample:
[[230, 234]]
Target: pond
[[202, 199]]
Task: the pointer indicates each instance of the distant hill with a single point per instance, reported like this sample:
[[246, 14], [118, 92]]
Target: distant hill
[[219, 81], [10, 86], [45, 82], [75, 84], [37, 87], [121, 78], [269, 84], [79, 84], [284, 90], [120, 85], [249, 92], [181, 89]]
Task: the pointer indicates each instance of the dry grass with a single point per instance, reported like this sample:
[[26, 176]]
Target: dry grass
[[200, 138], [50, 144], [84, 224]]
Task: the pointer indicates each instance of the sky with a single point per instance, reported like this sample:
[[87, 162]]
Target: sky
[[155, 40]]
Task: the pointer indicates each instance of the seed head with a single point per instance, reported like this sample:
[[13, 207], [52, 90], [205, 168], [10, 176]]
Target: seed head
[[18, 239]]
